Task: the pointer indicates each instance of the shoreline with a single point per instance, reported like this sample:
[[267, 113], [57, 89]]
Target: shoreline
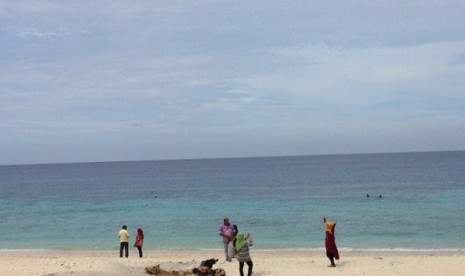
[[266, 262], [303, 251]]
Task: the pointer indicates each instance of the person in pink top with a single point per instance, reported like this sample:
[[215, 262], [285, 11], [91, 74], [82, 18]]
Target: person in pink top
[[139, 241], [228, 232]]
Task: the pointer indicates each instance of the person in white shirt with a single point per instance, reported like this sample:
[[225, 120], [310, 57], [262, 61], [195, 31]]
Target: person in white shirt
[[124, 241]]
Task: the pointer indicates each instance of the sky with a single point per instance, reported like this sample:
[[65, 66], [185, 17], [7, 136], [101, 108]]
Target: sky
[[94, 81]]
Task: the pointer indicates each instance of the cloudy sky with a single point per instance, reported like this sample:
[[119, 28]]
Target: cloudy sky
[[146, 80]]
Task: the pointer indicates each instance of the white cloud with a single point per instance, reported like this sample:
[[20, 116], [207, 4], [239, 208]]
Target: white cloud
[[253, 74]]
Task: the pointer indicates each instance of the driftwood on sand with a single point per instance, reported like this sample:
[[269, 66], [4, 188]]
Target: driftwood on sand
[[198, 271], [157, 270]]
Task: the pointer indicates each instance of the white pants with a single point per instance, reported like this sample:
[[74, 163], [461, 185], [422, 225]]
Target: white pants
[[226, 251]]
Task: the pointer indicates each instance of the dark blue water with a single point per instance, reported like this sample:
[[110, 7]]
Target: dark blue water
[[281, 201]]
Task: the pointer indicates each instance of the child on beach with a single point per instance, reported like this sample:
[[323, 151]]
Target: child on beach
[[233, 252], [139, 241]]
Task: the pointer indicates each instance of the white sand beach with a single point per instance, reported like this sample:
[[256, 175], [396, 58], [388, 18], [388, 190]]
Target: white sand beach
[[266, 263]]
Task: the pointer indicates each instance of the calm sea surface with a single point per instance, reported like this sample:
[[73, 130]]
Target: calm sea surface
[[281, 201]]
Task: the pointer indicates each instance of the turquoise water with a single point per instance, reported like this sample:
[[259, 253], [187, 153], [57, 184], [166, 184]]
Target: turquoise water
[[281, 201]]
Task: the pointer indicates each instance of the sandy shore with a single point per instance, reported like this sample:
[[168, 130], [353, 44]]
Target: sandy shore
[[266, 263]]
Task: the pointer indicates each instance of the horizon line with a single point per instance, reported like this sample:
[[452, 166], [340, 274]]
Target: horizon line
[[226, 158]]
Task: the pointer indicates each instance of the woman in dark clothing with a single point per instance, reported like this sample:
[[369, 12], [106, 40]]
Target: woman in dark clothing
[[330, 242], [139, 241]]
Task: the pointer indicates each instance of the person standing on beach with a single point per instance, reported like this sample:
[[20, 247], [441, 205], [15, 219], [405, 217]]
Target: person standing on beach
[[139, 241], [243, 256], [227, 232], [330, 241], [124, 241], [234, 238]]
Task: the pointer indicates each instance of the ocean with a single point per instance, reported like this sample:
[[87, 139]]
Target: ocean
[[281, 201]]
